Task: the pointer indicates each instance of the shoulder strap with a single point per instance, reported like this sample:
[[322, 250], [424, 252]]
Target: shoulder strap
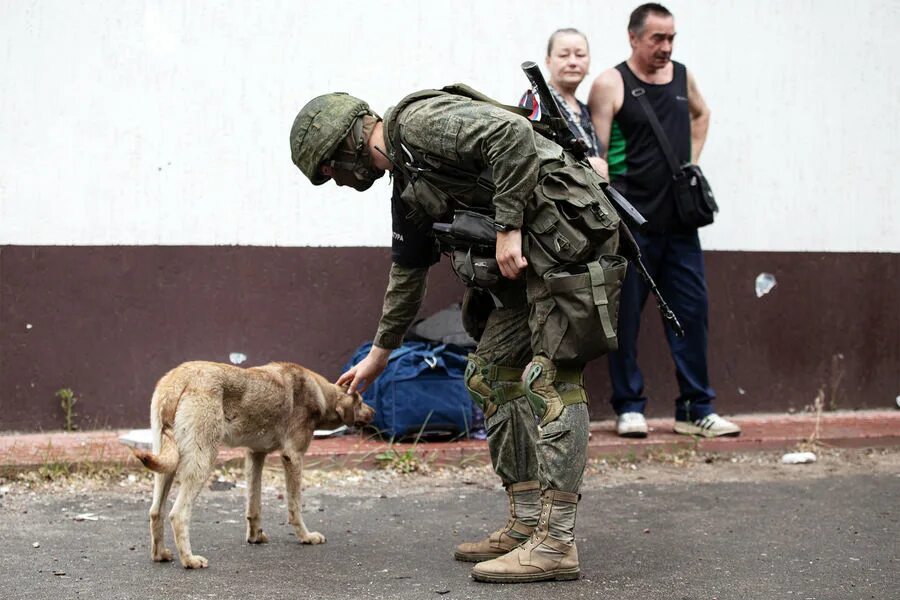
[[408, 155], [394, 134], [461, 89], [634, 87]]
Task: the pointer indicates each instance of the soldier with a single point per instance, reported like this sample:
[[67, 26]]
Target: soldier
[[547, 301]]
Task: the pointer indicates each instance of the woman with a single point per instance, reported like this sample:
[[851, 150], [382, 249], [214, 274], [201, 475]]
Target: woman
[[568, 61]]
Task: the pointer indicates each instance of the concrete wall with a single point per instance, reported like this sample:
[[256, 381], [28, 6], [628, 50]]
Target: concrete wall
[[149, 211], [167, 122]]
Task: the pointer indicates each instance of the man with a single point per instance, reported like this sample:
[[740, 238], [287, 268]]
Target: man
[[671, 251], [447, 151]]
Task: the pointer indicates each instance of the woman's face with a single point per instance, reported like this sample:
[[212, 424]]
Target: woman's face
[[569, 60]]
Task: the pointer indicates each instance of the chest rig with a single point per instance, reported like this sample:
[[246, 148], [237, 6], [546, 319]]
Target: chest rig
[[430, 186], [452, 199]]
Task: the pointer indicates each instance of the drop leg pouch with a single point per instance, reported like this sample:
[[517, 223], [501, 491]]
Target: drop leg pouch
[[580, 316]]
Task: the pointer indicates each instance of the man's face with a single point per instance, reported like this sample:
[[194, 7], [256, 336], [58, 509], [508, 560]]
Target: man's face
[[653, 48], [351, 164], [342, 177], [569, 60]]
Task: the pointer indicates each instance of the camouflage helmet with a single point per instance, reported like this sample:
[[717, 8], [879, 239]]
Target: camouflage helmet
[[319, 128]]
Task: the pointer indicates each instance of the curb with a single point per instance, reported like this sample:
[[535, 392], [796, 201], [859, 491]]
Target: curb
[[845, 429]]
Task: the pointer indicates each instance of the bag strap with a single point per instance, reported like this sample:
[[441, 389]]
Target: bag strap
[[601, 300], [403, 151], [634, 87]]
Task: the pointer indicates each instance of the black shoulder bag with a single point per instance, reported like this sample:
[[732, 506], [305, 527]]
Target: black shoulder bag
[[694, 200]]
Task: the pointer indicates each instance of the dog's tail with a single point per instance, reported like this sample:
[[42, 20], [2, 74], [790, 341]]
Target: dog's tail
[[165, 456], [166, 461]]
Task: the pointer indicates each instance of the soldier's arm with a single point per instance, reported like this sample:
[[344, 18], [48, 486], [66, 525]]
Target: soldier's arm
[[402, 300], [604, 101], [699, 118], [507, 145]]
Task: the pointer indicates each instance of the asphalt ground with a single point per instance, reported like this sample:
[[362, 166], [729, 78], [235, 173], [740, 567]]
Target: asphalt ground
[[678, 527]]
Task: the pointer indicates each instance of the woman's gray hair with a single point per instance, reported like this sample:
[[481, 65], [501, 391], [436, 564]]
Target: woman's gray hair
[[564, 30]]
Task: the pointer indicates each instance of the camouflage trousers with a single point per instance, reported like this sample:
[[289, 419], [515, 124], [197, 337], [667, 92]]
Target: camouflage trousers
[[554, 454], [561, 316]]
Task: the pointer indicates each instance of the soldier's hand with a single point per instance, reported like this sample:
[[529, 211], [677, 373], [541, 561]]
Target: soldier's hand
[[360, 376], [509, 253]]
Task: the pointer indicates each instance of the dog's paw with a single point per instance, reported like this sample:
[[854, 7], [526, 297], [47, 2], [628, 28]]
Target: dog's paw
[[195, 561], [164, 555], [259, 538], [313, 537]]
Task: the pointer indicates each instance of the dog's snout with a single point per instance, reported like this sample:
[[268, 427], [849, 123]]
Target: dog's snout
[[364, 414]]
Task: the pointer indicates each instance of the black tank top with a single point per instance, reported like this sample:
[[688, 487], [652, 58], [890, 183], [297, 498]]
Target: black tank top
[[637, 165]]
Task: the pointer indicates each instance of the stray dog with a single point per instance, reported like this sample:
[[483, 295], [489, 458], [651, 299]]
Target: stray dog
[[197, 406]]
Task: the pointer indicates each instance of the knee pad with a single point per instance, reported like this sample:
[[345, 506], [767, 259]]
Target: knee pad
[[491, 385], [479, 389], [549, 388]]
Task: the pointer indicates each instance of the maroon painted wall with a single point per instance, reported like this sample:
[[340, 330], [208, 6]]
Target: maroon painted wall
[[109, 321]]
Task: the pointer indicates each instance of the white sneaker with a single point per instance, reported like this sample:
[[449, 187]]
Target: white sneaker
[[631, 424], [709, 426]]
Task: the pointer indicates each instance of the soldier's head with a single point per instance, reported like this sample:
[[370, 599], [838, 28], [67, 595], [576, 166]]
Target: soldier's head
[[651, 33], [329, 140]]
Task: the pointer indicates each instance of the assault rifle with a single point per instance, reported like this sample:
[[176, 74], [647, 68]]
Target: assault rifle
[[554, 121]]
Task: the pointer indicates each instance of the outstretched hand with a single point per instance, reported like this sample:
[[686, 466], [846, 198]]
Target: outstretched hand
[[509, 253], [360, 376]]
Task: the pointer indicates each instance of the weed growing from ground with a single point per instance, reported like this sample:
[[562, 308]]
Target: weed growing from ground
[[67, 401]]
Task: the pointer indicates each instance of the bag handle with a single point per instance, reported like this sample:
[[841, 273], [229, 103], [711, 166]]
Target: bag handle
[[398, 352], [634, 87]]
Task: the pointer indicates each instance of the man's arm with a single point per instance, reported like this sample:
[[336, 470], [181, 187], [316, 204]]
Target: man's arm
[[604, 102], [699, 118], [402, 300]]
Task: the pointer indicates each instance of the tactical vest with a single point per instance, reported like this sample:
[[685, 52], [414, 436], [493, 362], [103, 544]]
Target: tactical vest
[[433, 187]]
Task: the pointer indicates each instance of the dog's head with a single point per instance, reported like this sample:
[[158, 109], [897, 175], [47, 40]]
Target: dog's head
[[351, 410]]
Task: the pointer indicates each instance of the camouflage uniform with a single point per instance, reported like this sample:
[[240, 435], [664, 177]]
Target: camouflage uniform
[[528, 172], [453, 153]]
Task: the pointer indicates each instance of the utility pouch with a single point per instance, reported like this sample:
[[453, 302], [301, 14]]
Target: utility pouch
[[475, 270], [580, 316], [694, 200], [571, 215], [424, 198]]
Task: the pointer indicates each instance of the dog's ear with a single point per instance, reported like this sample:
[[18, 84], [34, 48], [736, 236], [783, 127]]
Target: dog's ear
[[344, 409], [301, 387]]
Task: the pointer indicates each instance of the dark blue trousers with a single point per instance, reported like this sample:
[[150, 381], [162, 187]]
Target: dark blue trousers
[[675, 261]]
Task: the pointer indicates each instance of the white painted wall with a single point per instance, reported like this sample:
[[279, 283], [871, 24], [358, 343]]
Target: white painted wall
[[162, 122]]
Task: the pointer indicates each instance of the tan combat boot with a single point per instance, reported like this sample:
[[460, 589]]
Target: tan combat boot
[[524, 510], [550, 553]]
